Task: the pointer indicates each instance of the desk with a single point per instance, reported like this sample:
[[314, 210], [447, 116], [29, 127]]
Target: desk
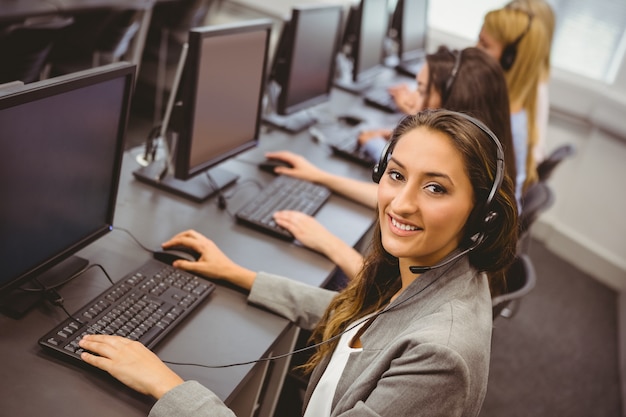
[[224, 330]]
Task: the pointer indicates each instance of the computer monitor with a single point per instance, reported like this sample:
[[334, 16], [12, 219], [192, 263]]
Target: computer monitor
[[409, 24], [363, 45], [62, 147], [218, 108], [303, 66]]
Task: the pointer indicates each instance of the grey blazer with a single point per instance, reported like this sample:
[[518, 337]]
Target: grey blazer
[[426, 355]]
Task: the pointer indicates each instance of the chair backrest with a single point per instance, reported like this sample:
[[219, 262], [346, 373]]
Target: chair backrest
[[24, 47], [538, 198], [520, 280], [115, 39], [546, 167]]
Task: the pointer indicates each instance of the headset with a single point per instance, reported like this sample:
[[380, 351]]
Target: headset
[[450, 81], [510, 51], [487, 215]]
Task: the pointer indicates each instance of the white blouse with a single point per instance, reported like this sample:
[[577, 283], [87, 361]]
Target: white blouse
[[321, 399]]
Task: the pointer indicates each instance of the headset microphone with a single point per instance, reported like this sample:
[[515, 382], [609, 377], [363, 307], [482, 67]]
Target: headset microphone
[[478, 239]]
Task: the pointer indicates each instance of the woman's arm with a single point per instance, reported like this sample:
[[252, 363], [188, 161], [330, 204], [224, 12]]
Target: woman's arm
[[313, 235]]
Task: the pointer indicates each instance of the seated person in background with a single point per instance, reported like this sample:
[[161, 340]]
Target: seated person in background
[[542, 11], [520, 43], [477, 87], [470, 90], [398, 338]]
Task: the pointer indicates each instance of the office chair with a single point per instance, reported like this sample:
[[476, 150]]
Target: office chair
[[538, 198], [546, 167], [169, 28], [25, 47], [520, 280]]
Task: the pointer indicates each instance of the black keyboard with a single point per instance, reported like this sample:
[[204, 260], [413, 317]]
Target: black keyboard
[[145, 305], [381, 99], [283, 193]]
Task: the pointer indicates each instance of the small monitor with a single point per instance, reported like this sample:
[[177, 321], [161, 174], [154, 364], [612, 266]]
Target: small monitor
[[409, 22], [364, 40], [303, 67], [218, 108], [62, 147]]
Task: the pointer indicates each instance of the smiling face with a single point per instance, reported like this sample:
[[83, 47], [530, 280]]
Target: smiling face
[[424, 198]]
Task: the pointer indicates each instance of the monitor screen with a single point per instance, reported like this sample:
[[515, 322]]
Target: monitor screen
[[303, 64], [410, 21], [368, 52], [221, 94], [62, 143]]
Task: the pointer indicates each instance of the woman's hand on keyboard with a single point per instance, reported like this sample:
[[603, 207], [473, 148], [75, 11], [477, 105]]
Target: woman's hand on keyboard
[[367, 135], [131, 363], [213, 263], [308, 231]]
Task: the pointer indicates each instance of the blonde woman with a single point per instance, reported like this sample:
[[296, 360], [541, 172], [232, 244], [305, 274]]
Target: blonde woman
[[520, 43]]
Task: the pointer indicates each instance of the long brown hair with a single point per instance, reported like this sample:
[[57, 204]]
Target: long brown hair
[[479, 90], [379, 279]]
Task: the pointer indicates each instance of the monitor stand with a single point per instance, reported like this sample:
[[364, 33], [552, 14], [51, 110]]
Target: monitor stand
[[198, 188], [292, 123], [19, 301]]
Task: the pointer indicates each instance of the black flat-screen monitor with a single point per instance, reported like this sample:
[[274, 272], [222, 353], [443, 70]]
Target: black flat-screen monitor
[[303, 66], [363, 44], [217, 113], [409, 24], [62, 146]]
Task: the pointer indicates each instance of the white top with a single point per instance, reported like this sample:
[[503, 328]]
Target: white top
[[542, 115], [322, 397]]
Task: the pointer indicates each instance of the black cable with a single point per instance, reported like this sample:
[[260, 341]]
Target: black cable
[[306, 348], [134, 238]]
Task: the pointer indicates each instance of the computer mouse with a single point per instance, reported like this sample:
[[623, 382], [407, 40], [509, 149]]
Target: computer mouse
[[350, 119], [270, 163], [169, 255]]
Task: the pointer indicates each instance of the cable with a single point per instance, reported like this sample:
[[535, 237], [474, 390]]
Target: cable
[[306, 348], [134, 238]]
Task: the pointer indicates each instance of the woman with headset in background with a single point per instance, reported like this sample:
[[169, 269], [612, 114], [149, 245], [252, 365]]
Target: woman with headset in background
[[411, 334], [543, 12], [468, 81], [520, 43]]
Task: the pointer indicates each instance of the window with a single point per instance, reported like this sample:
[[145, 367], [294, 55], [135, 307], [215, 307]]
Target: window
[[589, 40]]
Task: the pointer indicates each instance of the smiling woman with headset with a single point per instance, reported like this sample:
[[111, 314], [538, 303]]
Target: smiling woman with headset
[[411, 334]]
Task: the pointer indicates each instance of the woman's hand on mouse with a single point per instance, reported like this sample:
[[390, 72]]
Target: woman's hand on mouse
[[213, 263], [300, 167]]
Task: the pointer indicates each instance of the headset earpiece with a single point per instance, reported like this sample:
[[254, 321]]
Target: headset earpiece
[[509, 53], [381, 165]]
